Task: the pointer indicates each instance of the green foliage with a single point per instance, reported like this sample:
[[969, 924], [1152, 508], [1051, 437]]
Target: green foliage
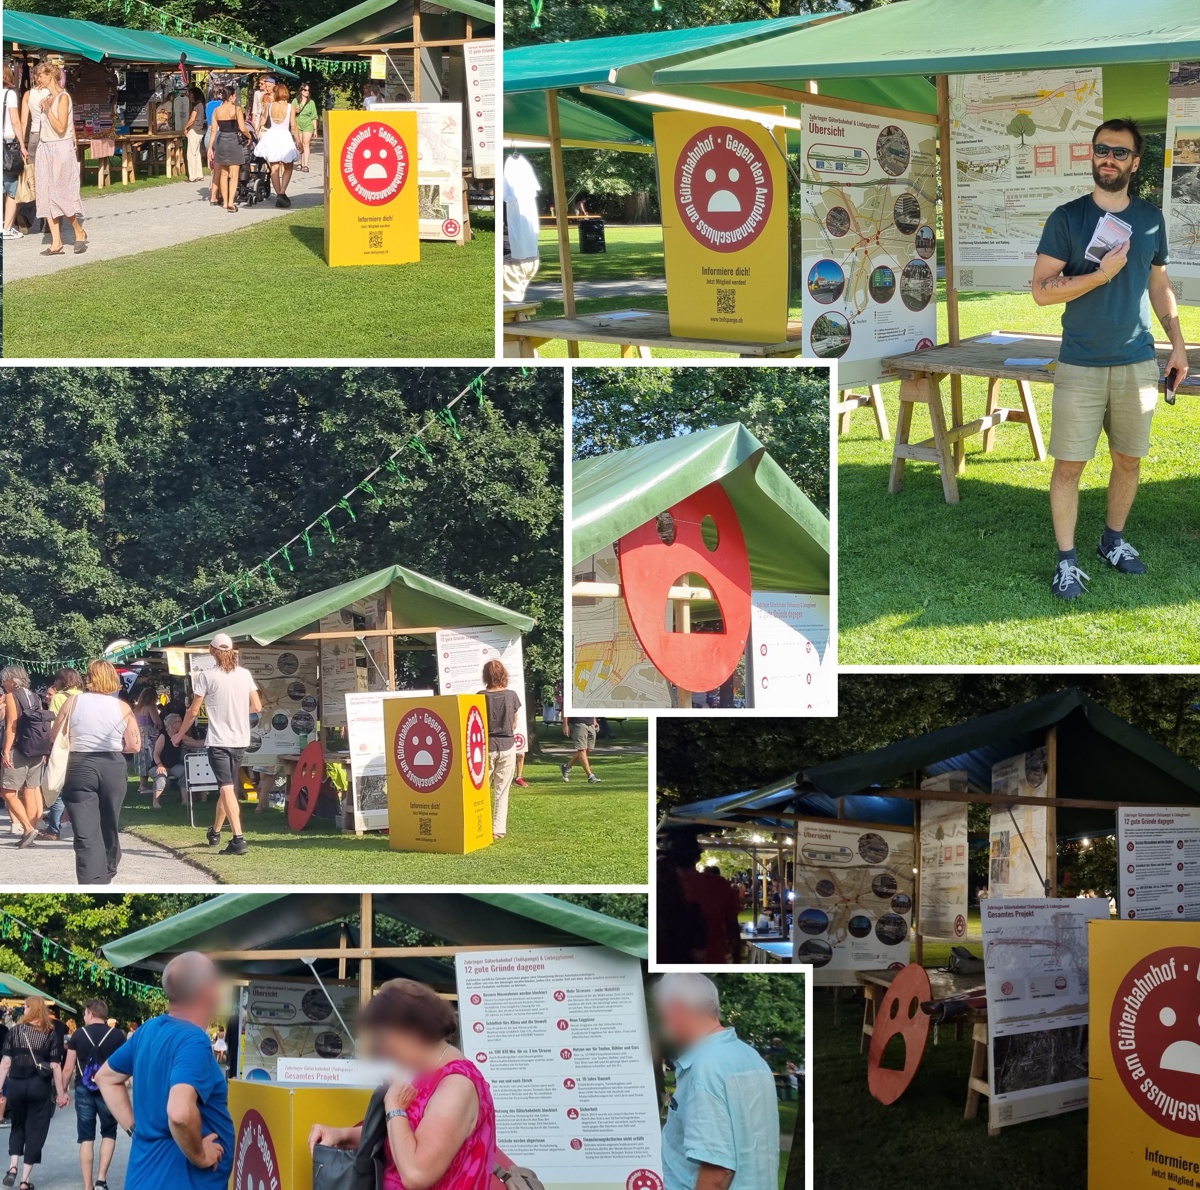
[[786, 408], [129, 495], [1086, 868], [626, 906], [761, 1007]]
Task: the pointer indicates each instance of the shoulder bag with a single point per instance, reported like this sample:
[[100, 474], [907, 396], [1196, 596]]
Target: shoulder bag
[[60, 754]]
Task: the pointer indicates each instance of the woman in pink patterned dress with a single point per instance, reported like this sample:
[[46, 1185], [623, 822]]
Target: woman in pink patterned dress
[[441, 1127]]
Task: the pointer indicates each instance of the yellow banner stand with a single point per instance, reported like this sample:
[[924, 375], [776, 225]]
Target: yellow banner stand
[[271, 1125], [371, 188], [723, 186], [439, 797], [1144, 1063]]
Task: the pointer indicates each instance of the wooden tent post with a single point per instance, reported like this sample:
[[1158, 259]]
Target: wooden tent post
[[416, 36], [389, 625], [947, 171], [561, 219], [1051, 872], [366, 940], [343, 946], [683, 613], [920, 937]]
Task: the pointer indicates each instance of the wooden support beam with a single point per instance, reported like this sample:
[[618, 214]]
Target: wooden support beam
[[809, 97], [389, 619], [591, 590], [356, 953], [988, 799], [366, 929], [559, 187], [952, 327]]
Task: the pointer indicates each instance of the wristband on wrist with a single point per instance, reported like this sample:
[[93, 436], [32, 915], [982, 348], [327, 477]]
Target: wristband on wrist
[[1107, 278], [397, 1111]]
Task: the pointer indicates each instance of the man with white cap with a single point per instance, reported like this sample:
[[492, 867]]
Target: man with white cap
[[722, 1129], [230, 695]]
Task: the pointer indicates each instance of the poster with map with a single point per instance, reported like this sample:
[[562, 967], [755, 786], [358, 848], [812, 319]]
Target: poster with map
[[610, 668], [944, 872], [462, 654], [1181, 180], [1017, 863], [868, 239], [279, 1019], [854, 899], [1022, 145], [1035, 955], [439, 169]]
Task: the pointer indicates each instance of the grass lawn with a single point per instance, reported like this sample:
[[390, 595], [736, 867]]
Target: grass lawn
[[557, 833], [923, 582], [928, 1143], [182, 302]]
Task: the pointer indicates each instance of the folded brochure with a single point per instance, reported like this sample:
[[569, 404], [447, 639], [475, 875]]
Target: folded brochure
[[1110, 233]]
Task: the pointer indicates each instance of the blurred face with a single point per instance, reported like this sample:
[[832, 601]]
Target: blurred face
[[677, 1023], [401, 1048], [1108, 172], [303, 92]]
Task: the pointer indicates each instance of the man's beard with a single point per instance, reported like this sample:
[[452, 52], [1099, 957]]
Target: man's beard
[[1114, 184]]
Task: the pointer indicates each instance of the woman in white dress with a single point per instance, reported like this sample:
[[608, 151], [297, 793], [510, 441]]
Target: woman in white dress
[[278, 141]]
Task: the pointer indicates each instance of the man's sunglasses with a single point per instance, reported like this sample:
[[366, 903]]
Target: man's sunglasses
[[1119, 152]]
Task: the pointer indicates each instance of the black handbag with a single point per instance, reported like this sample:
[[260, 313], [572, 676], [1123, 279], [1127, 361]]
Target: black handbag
[[355, 1169], [13, 164]]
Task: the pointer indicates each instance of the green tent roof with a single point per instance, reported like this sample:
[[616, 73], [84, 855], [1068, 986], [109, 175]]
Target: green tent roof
[[525, 115], [378, 21], [18, 989], [786, 535], [417, 602], [239, 60], [253, 921], [97, 42]]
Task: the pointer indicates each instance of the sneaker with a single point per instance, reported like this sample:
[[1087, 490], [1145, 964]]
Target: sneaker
[[593, 779], [213, 837], [11, 233], [521, 783], [1067, 582], [1122, 557], [565, 769], [236, 846], [284, 201], [27, 840]]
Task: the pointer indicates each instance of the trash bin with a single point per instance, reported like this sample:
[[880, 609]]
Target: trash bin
[[591, 236]]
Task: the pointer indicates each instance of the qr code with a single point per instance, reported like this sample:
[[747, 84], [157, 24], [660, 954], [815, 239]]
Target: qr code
[[375, 239], [966, 278], [726, 301], [425, 827]]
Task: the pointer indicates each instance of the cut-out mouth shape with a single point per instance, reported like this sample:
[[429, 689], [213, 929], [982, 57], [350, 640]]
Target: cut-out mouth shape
[[678, 541], [306, 786]]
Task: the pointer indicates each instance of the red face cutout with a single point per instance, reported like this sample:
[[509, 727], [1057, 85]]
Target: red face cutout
[[424, 750], [899, 1012], [723, 188], [476, 748], [696, 661], [306, 785], [374, 163]]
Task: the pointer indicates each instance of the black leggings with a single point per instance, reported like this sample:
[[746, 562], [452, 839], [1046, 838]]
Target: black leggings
[[94, 793], [30, 1110]]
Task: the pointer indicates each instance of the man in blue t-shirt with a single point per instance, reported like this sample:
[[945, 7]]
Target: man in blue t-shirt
[[179, 1114], [1105, 256]]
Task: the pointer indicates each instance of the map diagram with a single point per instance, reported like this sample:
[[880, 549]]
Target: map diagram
[[1181, 179], [1021, 144], [610, 667], [293, 1021]]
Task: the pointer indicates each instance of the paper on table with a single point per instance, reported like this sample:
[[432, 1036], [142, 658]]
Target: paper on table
[[998, 337], [625, 315], [1110, 233], [1032, 361]]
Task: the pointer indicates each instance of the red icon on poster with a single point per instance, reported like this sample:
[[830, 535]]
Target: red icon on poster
[[565, 1055], [643, 1179], [476, 748], [424, 750], [374, 163], [723, 189], [451, 227], [563, 1026]]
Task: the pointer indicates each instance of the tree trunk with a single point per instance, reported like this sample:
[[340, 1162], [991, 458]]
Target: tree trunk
[[637, 207]]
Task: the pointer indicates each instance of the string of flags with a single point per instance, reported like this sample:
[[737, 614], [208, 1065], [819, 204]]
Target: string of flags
[[326, 66], [301, 545], [28, 942]]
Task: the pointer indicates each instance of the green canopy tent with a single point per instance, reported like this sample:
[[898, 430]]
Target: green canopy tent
[[12, 988], [240, 61], [526, 126], [100, 43]]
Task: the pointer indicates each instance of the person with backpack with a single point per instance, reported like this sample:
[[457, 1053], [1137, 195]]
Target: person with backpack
[[26, 745], [87, 1051]]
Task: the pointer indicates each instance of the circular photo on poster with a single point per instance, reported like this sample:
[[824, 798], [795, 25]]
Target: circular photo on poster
[[826, 888], [907, 213], [309, 703], [882, 284], [872, 848], [287, 664], [255, 741], [303, 723], [814, 951], [859, 925], [826, 282], [837, 222], [812, 921], [916, 285], [830, 335], [254, 718], [279, 721], [316, 1006], [926, 242], [296, 691], [891, 929], [268, 1047], [902, 903], [892, 151], [329, 1045], [884, 886]]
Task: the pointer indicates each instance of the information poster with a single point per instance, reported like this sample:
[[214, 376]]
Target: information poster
[[789, 663], [1018, 835], [292, 1020], [339, 668], [480, 61], [1036, 964], [439, 167], [854, 899], [368, 756], [371, 184], [868, 237], [287, 683], [610, 669], [1144, 1117], [1181, 180], [560, 1033], [724, 190], [944, 872], [1022, 145], [1159, 863], [462, 654]]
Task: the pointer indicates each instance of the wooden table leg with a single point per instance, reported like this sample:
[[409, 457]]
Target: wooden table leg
[[910, 392], [868, 1025], [993, 403], [881, 421], [948, 454], [977, 1082], [633, 351], [956, 420], [1035, 429]]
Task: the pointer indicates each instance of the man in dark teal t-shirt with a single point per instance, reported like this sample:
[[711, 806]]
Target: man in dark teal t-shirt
[[1105, 256], [178, 1116]]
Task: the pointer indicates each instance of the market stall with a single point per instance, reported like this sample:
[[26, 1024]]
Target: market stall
[[693, 557], [14, 990]]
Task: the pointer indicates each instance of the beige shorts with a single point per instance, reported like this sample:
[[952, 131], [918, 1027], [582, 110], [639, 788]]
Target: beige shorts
[[1120, 401], [517, 275]]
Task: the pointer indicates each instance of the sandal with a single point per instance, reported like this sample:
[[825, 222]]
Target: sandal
[[26, 1186], [231, 208], [10, 1177], [51, 252], [81, 246]]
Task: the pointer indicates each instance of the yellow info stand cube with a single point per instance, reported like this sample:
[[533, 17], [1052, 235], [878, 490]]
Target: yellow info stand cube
[[439, 796]]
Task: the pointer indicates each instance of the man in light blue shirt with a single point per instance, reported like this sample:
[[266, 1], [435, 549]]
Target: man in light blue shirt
[[722, 1130]]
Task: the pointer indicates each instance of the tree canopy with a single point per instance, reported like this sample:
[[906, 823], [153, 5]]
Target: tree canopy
[[129, 495]]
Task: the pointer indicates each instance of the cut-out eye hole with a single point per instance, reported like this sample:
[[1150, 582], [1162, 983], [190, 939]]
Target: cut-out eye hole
[[710, 534], [894, 1009], [665, 524], [913, 1005]]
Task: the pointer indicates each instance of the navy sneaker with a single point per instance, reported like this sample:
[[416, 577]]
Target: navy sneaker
[[213, 837], [1122, 556], [565, 769], [236, 846], [1067, 582]]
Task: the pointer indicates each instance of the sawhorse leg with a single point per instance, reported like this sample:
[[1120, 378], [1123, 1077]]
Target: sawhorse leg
[[977, 1082], [923, 389], [850, 401]]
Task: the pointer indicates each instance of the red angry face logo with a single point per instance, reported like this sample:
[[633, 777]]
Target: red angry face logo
[[375, 163], [643, 1179], [476, 748], [255, 1163], [723, 189], [424, 751]]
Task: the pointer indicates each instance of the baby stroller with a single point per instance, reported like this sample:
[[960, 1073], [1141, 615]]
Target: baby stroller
[[254, 177]]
